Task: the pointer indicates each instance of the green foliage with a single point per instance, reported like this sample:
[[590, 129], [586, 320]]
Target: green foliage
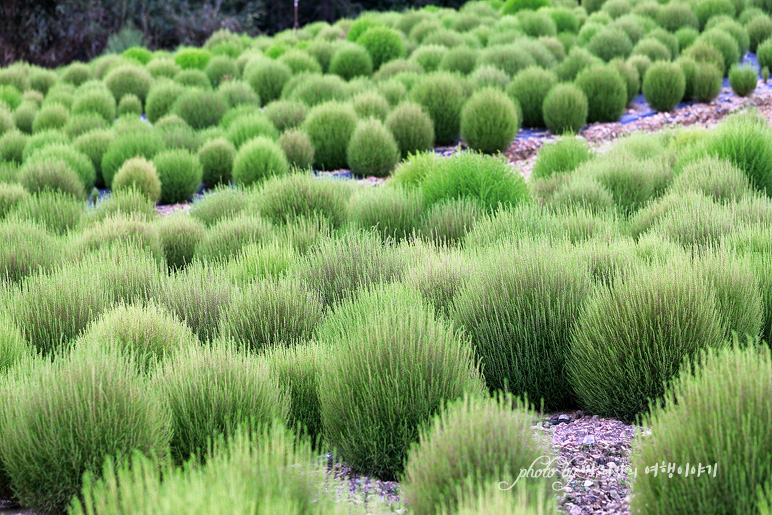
[[200, 109], [258, 159], [161, 98], [610, 43], [125, 146], [350, 61], [140, 174], [631, 181], [675, 16], [214, 390], [51, 116], [94, 144], [179, 236], [298, 148], [565, 109], [286, 114], [370, 105], [221, 69], [431, 362], [128, 79], [560, 157], [714, 394], [12, 146], [383, 45], [442, 97], [412, 128], [180, 172], [489, 121], [57, 212], [743, 79], [216, 157], [225, 239], [529, 87], [393, 212], [250, 126], [67, 417], [267, 77], [130, 105], [606, 93], [300, 195], [707, 83], [220, 203], [372, 149], [10, 195], [714, 178], [664, 85], [759, 30], [77, 161], [29, 248], [237, 93], [52, 176], [80, 124], [725, 44], [163, 67], [330, 127], [637, 333], [129, 202], [192, 58]]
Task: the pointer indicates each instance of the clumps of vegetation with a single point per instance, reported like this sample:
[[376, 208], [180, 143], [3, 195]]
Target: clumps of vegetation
[[563, 156], [180, 172], [411, 127], [664, 85], [489, 121], [606, 93], [442, 97], [330, 127], [743, 79], [372, 149], [565, 109], [257, 160], [138, 174]]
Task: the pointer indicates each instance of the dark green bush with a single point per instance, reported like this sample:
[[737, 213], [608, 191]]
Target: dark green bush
[[125, 146], [130, 105], [131, 203], [179, 235], [383, 45], [371, 105], [715, 178], [412, 128], [330, 127], [28, 248], [565, 109], [221, 69], [707, 83], [562, 156], [298, 149], [200, 109], [180, 172], [161, 98], [75, 160], [51, 116], [509, 58], [128, 79], [10, 195], [675, 16], [529, 87], [577, 60], [350, 60], [372, 149], [431, 361], [610, 43], [267, 77], [606, 93], [51, 176], [250, 126], [23, 117], [57, 212], [237, 93], [12, 146], [286, 114], [140, 174], [743, 79], [216, 157], [725, 44], [664, 85], [759, 30], [442, 97], [258, 159], [489, 121]]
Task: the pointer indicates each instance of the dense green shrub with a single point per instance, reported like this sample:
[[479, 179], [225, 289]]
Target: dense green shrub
[[489, 121], [316, 89], [267, 77], [12, 146], [565, 109], [43, 139], [67, 417], [469, 175], [75, 160], [125, 146], [630, 75], [126, 79], [743, 79], [638, 333], [383, 45], [350, 60], [514, 6], [609, 43], [138, 174], [57, 212], [229, 236], [129, 105], [508, 58], [10, 195], [179, 235], [138, 53], [631, 181], [442, 97], [13, 348], [180, 172], [370, 105], [664, 85], [80, 124], [372, 149], [460, 59], [528, 324], [487, 439], [301, 195], [707, 83], [53, 176], [28, 248], [51, 116], [192, 58], [714, 178], [562, 156], [238, 93], [286, 114], [725, 44], [330, 127], [577, 60], [220, 203], [759, 30], [411, 127], [216, 157], [393, 212], [221, 69], [258, 159], [161, 98], [529, 87], [200, 109], [41, 79], [606, 93], [23, 117], [250, 126], [214, 390], [490, 76], [713, 394], [432, 363], [130, 202], [94, 144], [163, 68], [298, 149], [675, 16]]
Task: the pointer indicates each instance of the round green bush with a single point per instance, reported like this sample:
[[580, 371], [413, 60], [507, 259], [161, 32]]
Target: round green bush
[[393, 90], [67, 417], [145, 334], [51, 175], [77, 161], [653, 49], [429, 56], [10, 195], [489, 76], [126, 79], [606, 93], [633, 337], [138, 53], [442, 96], [221, 69], [229, 236], [370, 105], [514, 6], [350, 60], [529, 87], [686, 37], [577, 60], [759, 30], [487, 179], [23, 117], [425, 355], [707, 83], [565, 109], [130, 105], [286, 114], [764, 54], [372, 149], [714, 178], [330, 127], [43, 139], [631, 77], [301, 196], [200, 109], [411, 127], [129, 203], [383, 45], [248, 127], [360, 26], [80, 124], [57, 212], [222, 202], [192, 58], [258, 159], [163, 68], [12, 146], [29, 248], [675, 16], [267, 77], [94, 144], [298, 149], [179, 235], [318, 89], [489, 121], [52, 116], [180, 172], [214, 390], [393, 212], [13, 348], [237, 93], [560, 157], [701, 423], [132, 144], [41, 79], [538, 298], [537, 24], [76, 73], [703, 53], [725, 44], [610, 43], [140, 174], [272, 313], [216, 157], [664, 85], [509, 58], [470, 442], [743, 79], [460, 59], [161, 98]]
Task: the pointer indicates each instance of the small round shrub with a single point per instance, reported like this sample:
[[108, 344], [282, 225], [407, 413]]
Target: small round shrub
[[460, 59], [129, 79], [487, 179], [161, 98], [703, 53], [675, 16], [412, 128], [638, 332], [489, 76], [129, 203], [370, 105], [43, 139], [180, 172], [192, 58], [12, 146], [51, 175], [215, 390], [13, 348], [743, 79], [41, 79], [630, 75], [163, 67], [489, 121], [653, 49], [317, 89], [565, 109], [442, 97], [130, 105], [700, 421], [200, 109], [216, 157], [58, 212], [140, 174], [360, 26], [610, 43], [577, 60], [82, 123], [298, 149], [221, 69], [146, 144], [531, 98], [393, 212], [29, 248], [330, 127], [759, 30], [52, 116], [686, 36], [537, 24], [714, 178], [248, 127], [94, 144], [725, 44], [179, 234], [471, 442], [10, 195], [372, 149], [365, 351], [393, 90], [286, 114], [237, 93], [560, 157], [23, 117], [267, 77], [707, 83], [67, 417], [383, 45], [664, 85], [222, 202], [509, 58], [258, 159], [77, 161], [606, 93], [350, 61], [429, 56], [300, 195], [229, 236]]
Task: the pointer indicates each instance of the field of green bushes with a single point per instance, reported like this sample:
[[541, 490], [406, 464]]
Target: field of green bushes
[[218, 359]]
